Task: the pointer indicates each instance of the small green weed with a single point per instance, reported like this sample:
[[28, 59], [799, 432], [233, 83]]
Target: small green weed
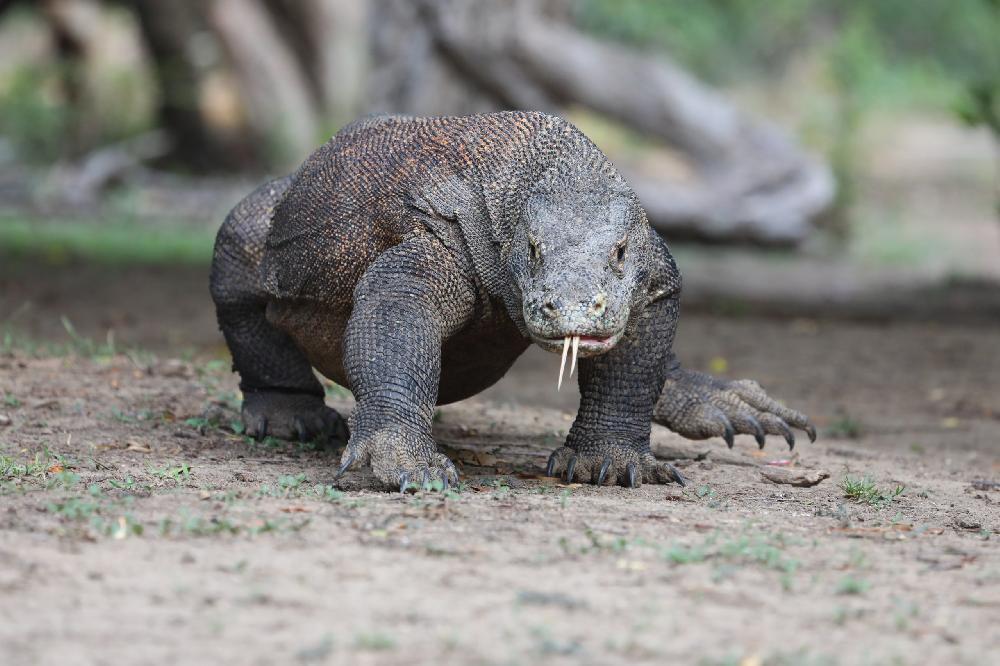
[[288, 485], [374, 641], [10, 469], [128, 483], [685, 554], [849, 585], [178, 473], [327, 493], [64, 479], [864, 491], [121, 417]]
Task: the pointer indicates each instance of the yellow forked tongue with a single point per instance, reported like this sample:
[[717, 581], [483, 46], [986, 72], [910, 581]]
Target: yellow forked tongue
[[562, 364]]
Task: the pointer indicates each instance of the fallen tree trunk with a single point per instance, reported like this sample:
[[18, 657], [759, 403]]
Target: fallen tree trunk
[[751, 181]]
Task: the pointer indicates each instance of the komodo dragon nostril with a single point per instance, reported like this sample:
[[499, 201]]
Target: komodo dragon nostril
[[550, 309], [598, 304]]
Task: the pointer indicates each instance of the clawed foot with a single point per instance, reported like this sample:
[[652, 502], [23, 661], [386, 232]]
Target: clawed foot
[[611, 463], [399, 458], [292, 416], [699, 406]]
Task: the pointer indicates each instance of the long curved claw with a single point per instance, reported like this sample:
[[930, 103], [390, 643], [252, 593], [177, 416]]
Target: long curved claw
[[551, 467], [300, 429], [444, 482], [633, 475], [346, 464], [453, 470], [261, 429], [730, 434], [758, 431], [570, 466], [404, 481], [604, 470], [426, 484], [811, 431], [680, 478], [788, 435]]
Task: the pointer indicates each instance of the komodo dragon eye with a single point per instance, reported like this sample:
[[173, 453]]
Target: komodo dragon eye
[[618, 255]]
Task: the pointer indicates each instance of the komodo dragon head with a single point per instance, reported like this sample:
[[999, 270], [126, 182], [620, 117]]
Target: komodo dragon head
[[580, 258]]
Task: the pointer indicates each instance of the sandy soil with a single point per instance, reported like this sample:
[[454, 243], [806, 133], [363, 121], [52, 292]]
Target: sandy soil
[[133, 529]]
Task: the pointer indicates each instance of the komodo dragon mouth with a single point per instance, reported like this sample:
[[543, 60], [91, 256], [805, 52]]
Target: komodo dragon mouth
[[582, 346]]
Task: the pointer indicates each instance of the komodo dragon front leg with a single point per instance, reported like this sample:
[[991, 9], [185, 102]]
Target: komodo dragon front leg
[[609, 441], [412, 298]]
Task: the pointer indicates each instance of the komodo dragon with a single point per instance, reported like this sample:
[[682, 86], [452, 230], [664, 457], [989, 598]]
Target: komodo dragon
[[412, 260]]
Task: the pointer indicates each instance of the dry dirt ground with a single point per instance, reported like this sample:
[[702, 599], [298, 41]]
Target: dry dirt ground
[[136, 526]]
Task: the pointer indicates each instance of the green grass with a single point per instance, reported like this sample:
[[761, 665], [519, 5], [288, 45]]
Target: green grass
[[177, 473], [11, 340], [374, 642], [864, 491], [120, 242], [849, 585], [11, 469]]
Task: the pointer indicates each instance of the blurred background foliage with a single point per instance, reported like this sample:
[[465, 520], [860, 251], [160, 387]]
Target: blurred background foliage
[[846, 78], [889, 52], [902, 54]]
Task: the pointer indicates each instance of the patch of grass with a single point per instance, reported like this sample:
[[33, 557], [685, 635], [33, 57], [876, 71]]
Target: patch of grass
[[64, 479], [196, 526], [178, 473], [46, 470], [296, 486], [11, 469], [704, 491], [864, 491], [121, 417], [501, 487], [120, 242], [765, 550], [289, 485], [849, 585], [188, 525], [270, 443], [95, 515], [10, 400], [374, 642], [685, 554], [327, 493], [128, 483], [74, 508], [77, 345]]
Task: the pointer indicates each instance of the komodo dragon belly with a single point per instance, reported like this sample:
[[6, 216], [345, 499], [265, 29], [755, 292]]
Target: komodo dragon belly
[[472, 359]]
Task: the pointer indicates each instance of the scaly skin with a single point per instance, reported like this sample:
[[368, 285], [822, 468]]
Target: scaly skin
[[413, 259]]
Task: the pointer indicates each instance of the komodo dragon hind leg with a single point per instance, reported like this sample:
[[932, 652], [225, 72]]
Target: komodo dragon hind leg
[[281, 395]]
